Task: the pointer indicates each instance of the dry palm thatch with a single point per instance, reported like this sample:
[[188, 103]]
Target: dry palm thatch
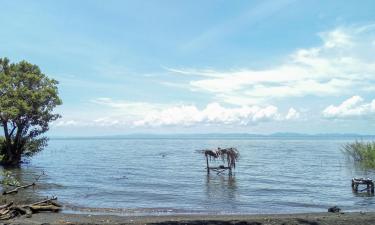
[[230, 155]]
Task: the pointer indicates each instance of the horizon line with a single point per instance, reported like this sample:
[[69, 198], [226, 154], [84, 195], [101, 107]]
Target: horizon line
[[206, 135]]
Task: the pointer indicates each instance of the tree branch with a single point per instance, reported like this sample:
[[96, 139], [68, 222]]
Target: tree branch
[[17, 188], [13, 129]]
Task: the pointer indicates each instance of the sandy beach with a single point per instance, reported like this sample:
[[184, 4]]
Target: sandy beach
[[275, 219]]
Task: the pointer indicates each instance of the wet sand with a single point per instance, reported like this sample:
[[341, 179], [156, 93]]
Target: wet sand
[[275, 219]]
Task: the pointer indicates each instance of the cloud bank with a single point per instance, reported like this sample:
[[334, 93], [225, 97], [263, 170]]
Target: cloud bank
[[342, 63], [353, 107], [213, 113], [136, 114]]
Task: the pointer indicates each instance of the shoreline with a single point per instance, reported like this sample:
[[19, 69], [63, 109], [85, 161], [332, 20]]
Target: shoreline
[[346, 218]]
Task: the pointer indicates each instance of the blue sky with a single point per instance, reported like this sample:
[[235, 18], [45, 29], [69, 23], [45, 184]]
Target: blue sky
[[200, 66]]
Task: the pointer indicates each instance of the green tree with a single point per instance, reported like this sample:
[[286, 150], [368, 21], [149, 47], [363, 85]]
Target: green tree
[[27, 100]]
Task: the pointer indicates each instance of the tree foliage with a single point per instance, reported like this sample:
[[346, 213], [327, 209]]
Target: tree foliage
[[27, 100]]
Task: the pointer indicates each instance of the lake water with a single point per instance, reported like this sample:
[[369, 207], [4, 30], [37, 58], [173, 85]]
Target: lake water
[[168, 176]]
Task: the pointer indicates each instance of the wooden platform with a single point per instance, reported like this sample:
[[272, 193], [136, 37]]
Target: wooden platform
[[219, 169], [363, 181]]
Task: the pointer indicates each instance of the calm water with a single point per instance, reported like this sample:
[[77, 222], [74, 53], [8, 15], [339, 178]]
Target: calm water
[[148, 176]]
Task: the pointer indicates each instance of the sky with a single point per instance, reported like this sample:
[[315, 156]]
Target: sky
[[215, 66]]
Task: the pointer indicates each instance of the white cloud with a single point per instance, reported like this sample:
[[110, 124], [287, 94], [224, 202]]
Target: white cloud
[[213, 113], [115, 113], [342, 64], [65, 123], [106, 112], [128, 107], [292, 114], [353, 107], [336, 38], [204, 73], [108, 121]]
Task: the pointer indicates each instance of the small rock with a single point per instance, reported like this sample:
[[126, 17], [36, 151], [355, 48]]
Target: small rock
[[334, 209]]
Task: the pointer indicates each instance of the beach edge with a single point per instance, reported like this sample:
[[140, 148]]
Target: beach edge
[[363, 218]]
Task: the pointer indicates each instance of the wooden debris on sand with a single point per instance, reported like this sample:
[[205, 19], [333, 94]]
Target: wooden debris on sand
[[228, 155], [10, 210]]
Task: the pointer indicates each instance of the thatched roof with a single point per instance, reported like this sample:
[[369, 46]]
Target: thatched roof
[[230, 155]]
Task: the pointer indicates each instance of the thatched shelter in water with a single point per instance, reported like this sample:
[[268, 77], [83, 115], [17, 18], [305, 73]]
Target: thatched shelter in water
[[228, 156]]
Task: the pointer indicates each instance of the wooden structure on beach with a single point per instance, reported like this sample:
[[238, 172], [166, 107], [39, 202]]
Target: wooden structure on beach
[[362, 181], [228, 156]]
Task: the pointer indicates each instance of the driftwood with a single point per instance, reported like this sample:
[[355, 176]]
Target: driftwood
[[14, 191], [10, 211], [47, 201], [39, 208], [6, 205]]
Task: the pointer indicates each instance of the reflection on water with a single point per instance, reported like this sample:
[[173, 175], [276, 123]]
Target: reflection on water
[[221, 189], [357, 169], [363, 194]]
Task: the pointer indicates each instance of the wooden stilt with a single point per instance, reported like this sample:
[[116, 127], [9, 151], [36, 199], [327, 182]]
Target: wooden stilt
[[208, 167], [368, 182]]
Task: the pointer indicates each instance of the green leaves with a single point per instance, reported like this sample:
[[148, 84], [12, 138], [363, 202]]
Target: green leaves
[[8, 179], [27, 100], [362, 153]]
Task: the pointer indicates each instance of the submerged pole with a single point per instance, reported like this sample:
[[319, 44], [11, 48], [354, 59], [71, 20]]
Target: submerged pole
[[208, 168]]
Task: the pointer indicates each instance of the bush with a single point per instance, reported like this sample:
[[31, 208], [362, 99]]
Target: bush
[[7, 178], [361, 152]]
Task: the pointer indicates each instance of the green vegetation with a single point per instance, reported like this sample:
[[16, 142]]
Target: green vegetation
[[27, 100], [362, 153], [8, 179]]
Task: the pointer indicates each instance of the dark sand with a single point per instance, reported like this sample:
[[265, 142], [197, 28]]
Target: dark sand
[[285, 219]]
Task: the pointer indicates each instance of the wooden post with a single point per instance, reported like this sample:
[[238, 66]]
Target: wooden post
[[353, 184], [208, 167], [230, 169]]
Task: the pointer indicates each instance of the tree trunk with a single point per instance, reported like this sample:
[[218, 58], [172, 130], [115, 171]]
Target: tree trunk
[[8, 141], [11, 157]]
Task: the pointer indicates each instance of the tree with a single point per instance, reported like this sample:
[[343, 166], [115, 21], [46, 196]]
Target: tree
[[27, 100]]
